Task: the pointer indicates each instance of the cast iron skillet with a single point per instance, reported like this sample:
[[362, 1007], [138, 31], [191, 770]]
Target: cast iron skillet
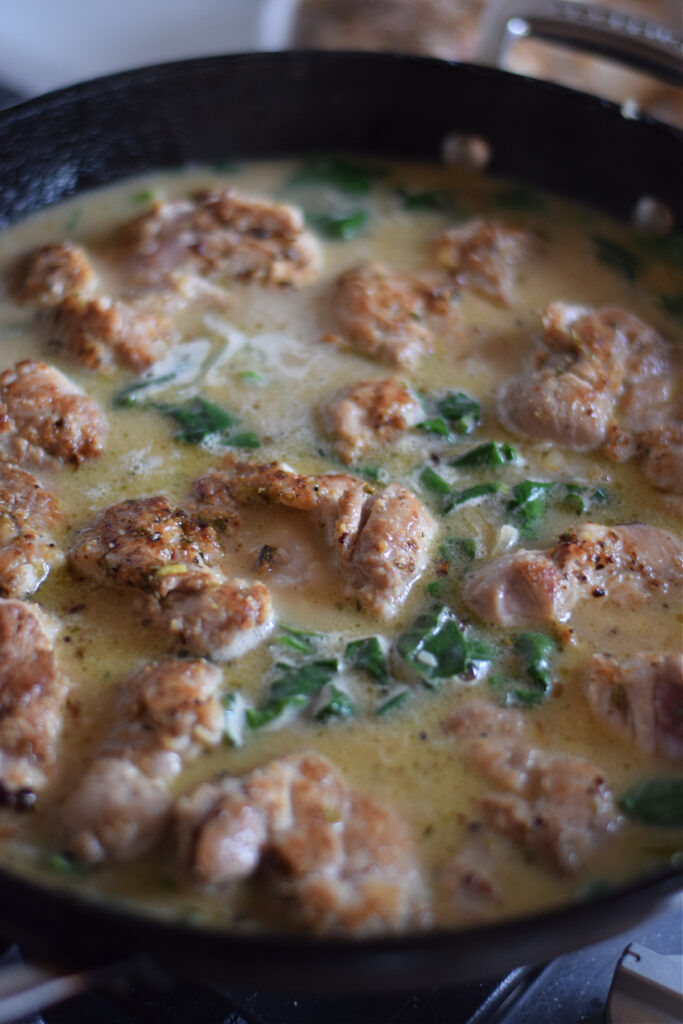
[[286, 104]]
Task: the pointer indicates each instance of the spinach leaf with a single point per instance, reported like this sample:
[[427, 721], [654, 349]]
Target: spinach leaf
[[431, 481], [375, 474], [392, 702], [197, 418], [345, 176], [293, 688], [435, 201], [246, 440], [657, 801], [581, 499], [436, 647], [535, 650], [368, 656], [458, 549], [667, 248], [258, 717], [616, 256], [461, 410], [299, 640], [520, 198], [339, 227], [528, 506], [129, 395], [673, 305], [473, 494], [304, 678], [490, 454], [338, 704], [436, 425]]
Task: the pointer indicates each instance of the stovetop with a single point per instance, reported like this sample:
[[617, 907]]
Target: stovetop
[[573, 989]]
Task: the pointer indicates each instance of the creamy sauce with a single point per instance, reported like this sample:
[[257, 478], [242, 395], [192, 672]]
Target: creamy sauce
[[262, 358]]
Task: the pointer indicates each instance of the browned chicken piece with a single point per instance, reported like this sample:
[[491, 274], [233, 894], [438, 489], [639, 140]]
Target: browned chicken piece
[[166, 557], [385, 313], [368, 413], [99, 332], [220, 234], [469, 885], [32, 695], [640, 699], [627, 564], [44, 418], [483, 255], [222, 618], [137, 543], [56, 272], [570, 397], [28, 515], [379, 542], [557, 807], [167, 714], [596, 365], [210, 503], [328, 857], [661, 453]]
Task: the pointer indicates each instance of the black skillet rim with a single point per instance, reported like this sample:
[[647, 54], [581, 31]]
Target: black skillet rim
[[72, 928]]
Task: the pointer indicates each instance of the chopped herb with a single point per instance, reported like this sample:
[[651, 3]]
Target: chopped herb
[[258, 717], [339, 228], [62, 864], [594, 889], [673, 304], [473, 493], [616, 256], [490, 454], [304, 678], [528, 506], [461, 410], [436, 647], [376, 474], [293, 688], [197, 418], [520, 198], [430, 201], [354, 179], [535, 650], [246, 440], [73, 221], [337, 705], [147, 195], [657, 801], [437, 425], [392, 702], [458, 549], [436, 588], [129, 395], [667, 248], [297, 639], [252, 377], [431, 481], [581, 499], [368, 656]]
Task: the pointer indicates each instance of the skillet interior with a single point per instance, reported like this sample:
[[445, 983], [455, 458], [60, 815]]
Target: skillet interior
[[284, 104]]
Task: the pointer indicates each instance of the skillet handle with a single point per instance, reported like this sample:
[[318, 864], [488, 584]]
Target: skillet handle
[[642, 44]]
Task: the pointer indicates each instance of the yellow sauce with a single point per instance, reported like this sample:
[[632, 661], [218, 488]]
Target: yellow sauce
[[404, 759]]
